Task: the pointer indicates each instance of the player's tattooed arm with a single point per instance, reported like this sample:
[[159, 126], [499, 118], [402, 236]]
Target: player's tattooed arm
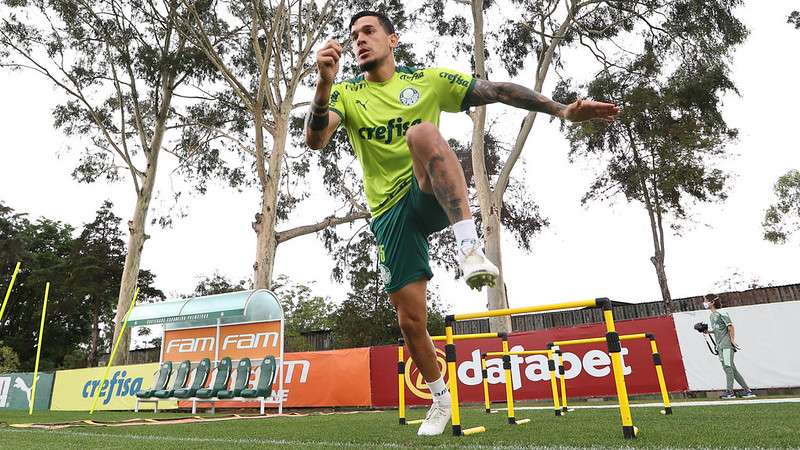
[[512, 94]]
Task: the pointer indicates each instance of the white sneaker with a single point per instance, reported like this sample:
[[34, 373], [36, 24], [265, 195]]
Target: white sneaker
[[478, 270], [436, 420]]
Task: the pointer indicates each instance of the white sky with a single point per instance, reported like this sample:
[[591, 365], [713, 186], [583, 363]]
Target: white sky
[[602, 250]]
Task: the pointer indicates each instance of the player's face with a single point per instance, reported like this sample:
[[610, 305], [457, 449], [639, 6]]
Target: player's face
[[372, 45]]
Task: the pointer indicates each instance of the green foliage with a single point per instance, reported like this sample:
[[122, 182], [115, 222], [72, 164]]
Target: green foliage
[[794, 18], [218, 284], [9, 361], [782, 218], [83, 272]]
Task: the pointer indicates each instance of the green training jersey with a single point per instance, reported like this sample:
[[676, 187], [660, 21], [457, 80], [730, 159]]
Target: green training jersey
[[719, 322], [377, 116]]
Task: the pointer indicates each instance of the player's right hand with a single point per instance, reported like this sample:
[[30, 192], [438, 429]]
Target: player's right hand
[[328, 60]]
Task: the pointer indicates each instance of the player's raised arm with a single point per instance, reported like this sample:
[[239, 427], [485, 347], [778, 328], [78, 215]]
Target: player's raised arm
[[321, 122], [512, 94]]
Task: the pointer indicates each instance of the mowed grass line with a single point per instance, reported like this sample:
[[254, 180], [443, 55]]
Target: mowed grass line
[[765, 426]]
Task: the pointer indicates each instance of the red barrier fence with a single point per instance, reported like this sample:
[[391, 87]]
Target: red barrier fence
[[588, 367]]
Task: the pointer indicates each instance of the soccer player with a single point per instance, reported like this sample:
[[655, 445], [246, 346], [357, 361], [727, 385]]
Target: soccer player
[[721, 326], [413, 181]]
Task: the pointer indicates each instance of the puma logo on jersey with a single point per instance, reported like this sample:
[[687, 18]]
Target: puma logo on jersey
[[362, 104], [395, 128]]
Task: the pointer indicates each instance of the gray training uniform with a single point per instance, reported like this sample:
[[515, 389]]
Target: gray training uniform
[[719, 322]]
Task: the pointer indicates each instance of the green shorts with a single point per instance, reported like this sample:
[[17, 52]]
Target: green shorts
[[402, 234]]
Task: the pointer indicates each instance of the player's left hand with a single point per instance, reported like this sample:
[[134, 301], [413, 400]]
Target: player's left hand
[[581, 110]]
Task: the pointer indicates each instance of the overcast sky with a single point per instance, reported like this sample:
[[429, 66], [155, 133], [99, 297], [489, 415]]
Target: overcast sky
[[600, 250]]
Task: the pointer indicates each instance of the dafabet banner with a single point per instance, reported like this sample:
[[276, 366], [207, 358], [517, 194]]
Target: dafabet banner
[[74, 389]]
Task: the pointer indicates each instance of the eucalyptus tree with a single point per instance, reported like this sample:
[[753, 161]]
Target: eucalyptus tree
[[782, 218], [263, 53], [554, 32], [120, 65]]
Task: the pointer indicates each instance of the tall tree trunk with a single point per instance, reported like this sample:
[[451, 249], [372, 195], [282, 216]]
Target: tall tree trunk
[[489, 205], [91, 359], [136, 226], [656, 227], [266, 220]]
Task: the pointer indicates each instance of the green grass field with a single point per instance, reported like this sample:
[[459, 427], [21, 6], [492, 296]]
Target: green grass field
[[753, 425]]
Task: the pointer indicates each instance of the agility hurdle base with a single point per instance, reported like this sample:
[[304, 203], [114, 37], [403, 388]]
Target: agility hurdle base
[[512, 420], [629, 431], [401, 369], [556, 347]]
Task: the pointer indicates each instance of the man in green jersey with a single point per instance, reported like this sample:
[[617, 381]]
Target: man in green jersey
[[721, 326], [413, 181]]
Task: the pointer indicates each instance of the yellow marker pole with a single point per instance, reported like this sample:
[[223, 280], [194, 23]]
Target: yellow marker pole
[[660, 374], [551, 364], [39, 350], [452, 376], [8, 291], [614, 348], [113, 352], [509, 383], [461, 337], [485, 376], [563, 379], [401, 382]]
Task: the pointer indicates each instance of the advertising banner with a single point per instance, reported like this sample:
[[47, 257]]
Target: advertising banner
[[74, 390], [253, 340], [587, 367], [320, 379], [768, 355], [15, 391]]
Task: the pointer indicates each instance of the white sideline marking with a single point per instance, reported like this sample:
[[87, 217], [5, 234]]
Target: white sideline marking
[[676, 404], [323, 444]]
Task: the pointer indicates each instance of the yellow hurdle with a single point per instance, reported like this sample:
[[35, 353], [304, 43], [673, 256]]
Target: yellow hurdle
[[509, 388], [625, 337], [401, 368], [612, 339]]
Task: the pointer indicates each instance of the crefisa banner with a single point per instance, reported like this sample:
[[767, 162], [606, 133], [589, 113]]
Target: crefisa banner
[[74, 390], [15, 391], [587, 367]]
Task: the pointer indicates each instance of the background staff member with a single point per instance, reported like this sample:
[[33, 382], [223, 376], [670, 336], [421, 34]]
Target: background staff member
[[721, 326]]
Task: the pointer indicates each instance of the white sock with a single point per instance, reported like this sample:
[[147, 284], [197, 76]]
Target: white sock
[[465, 230], [439, 391]]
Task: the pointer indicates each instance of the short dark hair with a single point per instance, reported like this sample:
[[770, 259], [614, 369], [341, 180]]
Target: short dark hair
[[713, 298], [384, 21]]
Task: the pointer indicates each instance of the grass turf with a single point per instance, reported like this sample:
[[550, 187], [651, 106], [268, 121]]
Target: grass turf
[[770, 425]]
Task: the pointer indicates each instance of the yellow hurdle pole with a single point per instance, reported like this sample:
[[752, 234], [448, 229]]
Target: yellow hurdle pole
[[660, 374], [452, 376], [528, 309], [520, 353], [8, 291], [39, 350], [461, 337], [615, 349], [563, 379], [624, 337], [401, 382], [113, 352], [485, 376], [551, 364], [509, 382]]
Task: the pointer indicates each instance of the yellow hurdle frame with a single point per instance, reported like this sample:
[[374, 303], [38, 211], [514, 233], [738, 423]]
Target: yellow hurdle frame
[[556, 347], [612, 339], [512, 420], [401, 369]]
